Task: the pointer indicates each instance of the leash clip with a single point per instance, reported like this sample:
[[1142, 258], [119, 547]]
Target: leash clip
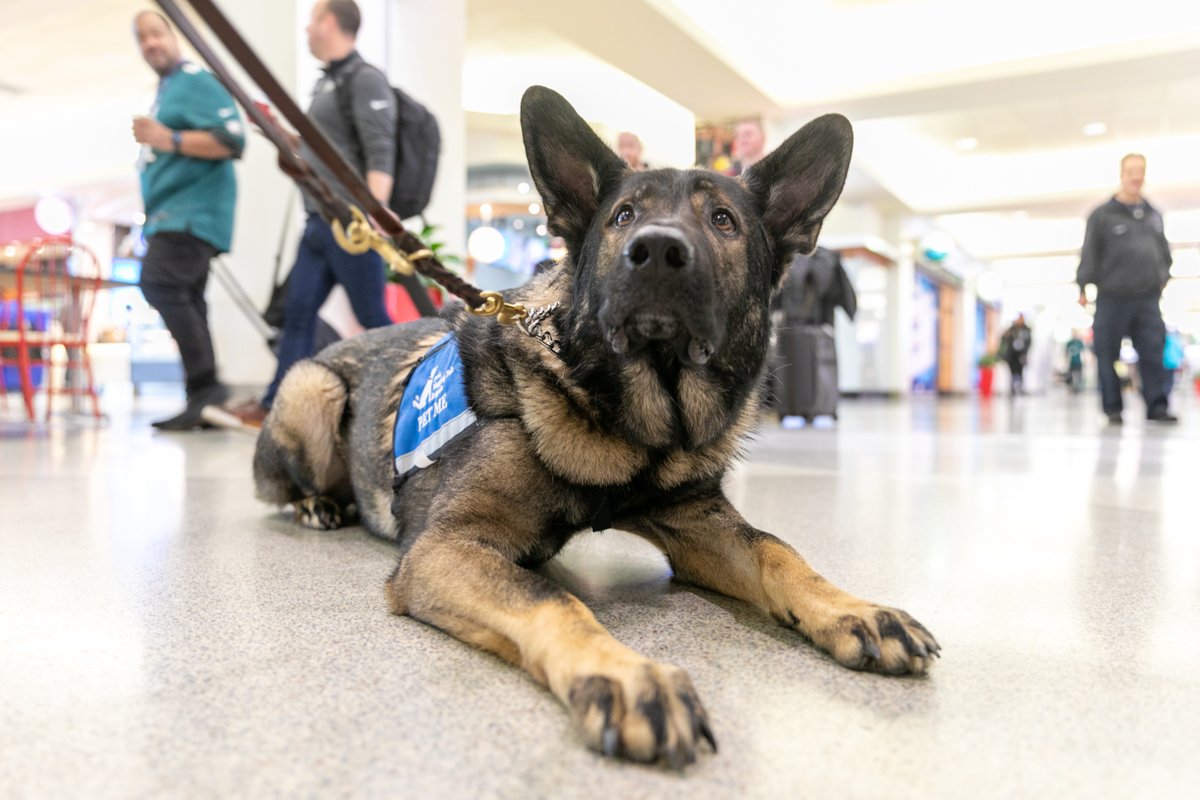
[[494, 306], [358, 237]]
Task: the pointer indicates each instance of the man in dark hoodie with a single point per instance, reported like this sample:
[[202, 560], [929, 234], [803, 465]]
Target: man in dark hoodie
[[1126, 255]]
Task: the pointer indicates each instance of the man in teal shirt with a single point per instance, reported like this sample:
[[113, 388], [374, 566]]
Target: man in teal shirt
[[1075, 363], [189, 189]]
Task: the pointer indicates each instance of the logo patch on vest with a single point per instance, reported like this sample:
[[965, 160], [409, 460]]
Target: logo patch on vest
[[433, 410]]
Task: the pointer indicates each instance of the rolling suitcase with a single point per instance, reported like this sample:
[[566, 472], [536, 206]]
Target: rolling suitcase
[[806, 372]]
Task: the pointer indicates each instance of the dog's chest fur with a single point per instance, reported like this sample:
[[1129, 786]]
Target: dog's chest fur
[[662, 436]]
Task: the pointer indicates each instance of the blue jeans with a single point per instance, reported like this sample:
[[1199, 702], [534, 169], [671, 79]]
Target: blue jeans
[[321, 263], [1140, 319]]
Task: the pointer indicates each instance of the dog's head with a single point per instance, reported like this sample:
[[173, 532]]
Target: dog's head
[[672, 263]]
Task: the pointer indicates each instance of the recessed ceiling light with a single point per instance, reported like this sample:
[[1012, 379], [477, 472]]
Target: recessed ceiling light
[[969, 143], [1095, 129]]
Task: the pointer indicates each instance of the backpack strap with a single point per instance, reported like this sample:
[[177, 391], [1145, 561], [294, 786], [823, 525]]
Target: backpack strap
[[343, 88]]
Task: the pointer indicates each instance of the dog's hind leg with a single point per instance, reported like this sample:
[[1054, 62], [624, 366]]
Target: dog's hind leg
[[710, 545], [299, 458]]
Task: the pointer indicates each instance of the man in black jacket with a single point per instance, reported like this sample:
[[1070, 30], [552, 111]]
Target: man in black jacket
[[1126, 255], [367, 138]]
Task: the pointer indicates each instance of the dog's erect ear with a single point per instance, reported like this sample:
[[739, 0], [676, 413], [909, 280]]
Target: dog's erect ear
[[570, 165], [798, 183]]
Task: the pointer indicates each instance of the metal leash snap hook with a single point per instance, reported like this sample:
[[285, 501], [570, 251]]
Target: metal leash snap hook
[[494, 306], [359, 237], [354, 238]]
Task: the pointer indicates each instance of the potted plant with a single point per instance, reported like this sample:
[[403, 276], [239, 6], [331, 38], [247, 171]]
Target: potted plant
[[987, 368]]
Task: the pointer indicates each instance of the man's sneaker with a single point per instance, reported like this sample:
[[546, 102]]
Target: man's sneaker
[[1115, 419], [1163, 416], [249, 414], [189, 418]]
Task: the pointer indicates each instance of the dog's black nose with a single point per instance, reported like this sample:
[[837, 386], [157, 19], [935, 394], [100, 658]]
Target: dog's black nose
[[657, 245]]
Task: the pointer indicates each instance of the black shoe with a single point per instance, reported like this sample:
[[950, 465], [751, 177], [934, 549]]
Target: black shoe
[[190, 418], [1115, 419], [1163, 416]]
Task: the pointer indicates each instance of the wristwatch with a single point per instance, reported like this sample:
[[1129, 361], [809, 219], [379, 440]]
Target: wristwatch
[[176, 141]]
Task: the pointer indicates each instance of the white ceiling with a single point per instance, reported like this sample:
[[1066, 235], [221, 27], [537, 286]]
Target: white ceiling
[[915, 77]]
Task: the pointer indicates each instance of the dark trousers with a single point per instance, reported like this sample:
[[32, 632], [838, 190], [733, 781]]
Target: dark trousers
[[320, 264], [1140, 320], [1016, 369], [174, 275]]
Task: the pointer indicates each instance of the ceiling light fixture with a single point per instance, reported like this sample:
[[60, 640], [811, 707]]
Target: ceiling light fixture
[[1095, 129], [968, 143]]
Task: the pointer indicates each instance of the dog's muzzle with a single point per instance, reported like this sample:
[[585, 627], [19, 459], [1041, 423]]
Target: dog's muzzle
[[661, 290]]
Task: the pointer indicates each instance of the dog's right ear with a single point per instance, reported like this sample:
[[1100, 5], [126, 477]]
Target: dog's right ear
[[798, 183], [571, 166]]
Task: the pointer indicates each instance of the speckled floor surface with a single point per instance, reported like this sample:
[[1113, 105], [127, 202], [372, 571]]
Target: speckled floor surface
[[164, 635]]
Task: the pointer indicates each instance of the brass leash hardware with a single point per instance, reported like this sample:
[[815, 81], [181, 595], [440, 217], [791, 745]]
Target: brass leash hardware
[[494, 306], [359, 237]]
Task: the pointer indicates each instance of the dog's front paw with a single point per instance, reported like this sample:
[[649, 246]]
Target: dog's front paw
[[318, 513], [879, 639], [645, 712]]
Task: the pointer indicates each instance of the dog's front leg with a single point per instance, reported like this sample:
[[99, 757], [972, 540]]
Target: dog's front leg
[[622, 702], [710, 545]]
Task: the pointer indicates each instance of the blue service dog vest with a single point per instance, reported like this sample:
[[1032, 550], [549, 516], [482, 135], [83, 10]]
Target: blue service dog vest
[[433, 409]]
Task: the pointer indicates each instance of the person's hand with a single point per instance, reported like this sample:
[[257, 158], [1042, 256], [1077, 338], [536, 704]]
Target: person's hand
[[152, 132], [287, 167]]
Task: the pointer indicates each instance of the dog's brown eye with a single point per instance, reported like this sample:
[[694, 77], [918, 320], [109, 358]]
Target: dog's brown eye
[[724, 221], [624, 216]]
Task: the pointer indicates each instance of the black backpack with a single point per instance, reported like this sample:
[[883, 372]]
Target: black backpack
[[418, 145]]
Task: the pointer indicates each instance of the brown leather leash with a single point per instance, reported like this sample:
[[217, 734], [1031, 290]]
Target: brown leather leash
[[402, 250]]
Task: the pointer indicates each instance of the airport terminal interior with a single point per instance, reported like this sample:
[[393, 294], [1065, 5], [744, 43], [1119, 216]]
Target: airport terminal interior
[[934, 434]]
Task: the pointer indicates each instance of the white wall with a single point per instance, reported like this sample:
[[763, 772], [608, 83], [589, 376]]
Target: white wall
[[425, 58], [263, 192]]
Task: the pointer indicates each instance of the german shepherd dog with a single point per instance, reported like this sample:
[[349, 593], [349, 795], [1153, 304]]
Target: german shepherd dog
[[660, 319]]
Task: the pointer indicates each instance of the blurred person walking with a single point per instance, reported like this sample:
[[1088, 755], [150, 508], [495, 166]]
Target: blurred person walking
[[1173, 360], [1014, 351], [749, 144], [189, 141], [366, 136], [1126, 256], [629, 148], [1075, 349]]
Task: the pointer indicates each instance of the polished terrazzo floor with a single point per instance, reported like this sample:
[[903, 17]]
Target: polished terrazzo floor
[[164, 635]]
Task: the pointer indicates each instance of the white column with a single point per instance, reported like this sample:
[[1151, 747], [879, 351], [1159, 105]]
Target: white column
[[425, 49], [243, 358]]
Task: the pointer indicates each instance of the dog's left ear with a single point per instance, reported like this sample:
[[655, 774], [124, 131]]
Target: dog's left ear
[[798, 183], [571, 166]]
